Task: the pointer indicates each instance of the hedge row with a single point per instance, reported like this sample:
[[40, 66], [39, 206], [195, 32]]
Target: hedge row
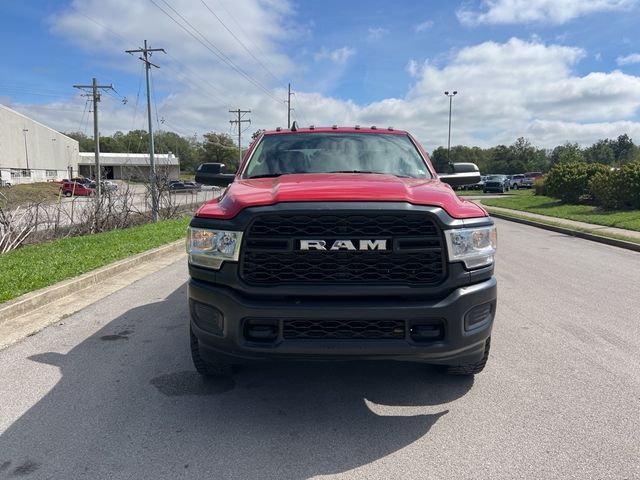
[[617, 189], [611, 189]]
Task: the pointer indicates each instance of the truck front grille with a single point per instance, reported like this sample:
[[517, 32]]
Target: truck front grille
[[343, 329], [271, 253]]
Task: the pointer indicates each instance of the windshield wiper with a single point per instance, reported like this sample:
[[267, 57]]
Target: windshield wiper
[[369, 171]]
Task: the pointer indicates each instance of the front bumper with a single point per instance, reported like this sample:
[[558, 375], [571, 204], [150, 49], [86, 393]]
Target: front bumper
[[465, 316]]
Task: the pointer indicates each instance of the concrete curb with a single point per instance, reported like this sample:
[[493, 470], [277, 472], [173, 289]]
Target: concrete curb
[[567, 231], [39, 298]]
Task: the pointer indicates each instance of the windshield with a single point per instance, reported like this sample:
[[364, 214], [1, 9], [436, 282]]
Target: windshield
[[336, 152]]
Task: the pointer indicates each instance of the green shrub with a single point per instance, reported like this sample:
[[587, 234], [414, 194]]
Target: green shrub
[[569, 182], [617, 189], [539, 186]]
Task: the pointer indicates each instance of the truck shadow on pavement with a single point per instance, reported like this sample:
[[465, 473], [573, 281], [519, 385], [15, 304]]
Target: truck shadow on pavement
[[130, 405]]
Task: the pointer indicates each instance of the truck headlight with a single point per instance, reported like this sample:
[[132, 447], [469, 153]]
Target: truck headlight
[[210, 248], [473, 246]]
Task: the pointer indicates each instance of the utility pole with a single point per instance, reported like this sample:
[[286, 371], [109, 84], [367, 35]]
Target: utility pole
[[96, 136], [289, 108], [240, 121], [146, 53]]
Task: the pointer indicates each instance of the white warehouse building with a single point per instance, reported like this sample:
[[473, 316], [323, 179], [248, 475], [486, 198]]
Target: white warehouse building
[[32, 152], [129, 166]]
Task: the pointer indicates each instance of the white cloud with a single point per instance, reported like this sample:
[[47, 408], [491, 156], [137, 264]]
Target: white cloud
[[628, 59], [339, 55], [377, 33], [196, 88], [537, 11], [412, 67], [421, 27], [506, 90]]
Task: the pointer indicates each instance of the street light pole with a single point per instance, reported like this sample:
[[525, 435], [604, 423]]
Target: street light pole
[[450, 95]]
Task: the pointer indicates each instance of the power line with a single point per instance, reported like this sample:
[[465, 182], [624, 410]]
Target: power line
[[212, 48], [84, 112], [191, 71], [135, 110], [241, 43], [248, 37]]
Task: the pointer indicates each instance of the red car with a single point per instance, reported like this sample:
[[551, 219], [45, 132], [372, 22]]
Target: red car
[[78, 189]]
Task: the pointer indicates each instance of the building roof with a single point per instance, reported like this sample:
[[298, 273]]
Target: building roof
[[18, 114], [133, 159]]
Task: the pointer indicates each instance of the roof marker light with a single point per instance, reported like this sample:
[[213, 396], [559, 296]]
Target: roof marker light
[[335, 127], [373, 127], [312, 127], [278, 129], [357, 127], [390, 128]]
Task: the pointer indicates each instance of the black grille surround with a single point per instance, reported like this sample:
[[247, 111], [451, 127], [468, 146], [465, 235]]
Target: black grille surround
[[271, 253]]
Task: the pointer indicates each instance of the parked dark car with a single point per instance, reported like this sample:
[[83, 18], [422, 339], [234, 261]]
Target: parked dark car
[[180, 186], [496, 183]]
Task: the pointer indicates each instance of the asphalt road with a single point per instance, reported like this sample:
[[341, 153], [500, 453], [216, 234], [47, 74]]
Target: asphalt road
[[110, 393]]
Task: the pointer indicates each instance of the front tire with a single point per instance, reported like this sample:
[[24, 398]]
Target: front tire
[[470, 368], [66, 193], [204, 367], [515, 186]]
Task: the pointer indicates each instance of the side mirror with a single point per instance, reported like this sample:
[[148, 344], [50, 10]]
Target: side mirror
[[211, 174], [461, 174]]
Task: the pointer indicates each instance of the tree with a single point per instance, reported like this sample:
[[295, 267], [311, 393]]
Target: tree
[[86, 144], [187, 149], [439, 159], [623, 149], [567, 153], [600, 152], [219, 148]]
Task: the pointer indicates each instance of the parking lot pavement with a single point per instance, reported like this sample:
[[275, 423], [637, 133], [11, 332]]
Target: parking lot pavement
[[110, 392]]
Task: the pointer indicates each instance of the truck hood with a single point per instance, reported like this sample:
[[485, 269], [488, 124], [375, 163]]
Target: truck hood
[[337, 187]]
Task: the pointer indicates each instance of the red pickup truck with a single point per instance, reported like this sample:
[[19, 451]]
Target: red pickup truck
[[340, 244]]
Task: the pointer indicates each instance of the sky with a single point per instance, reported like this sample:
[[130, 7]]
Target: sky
[[552, 71]]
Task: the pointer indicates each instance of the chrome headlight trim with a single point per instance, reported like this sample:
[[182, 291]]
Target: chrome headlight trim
[[211, 248], [475, 247]]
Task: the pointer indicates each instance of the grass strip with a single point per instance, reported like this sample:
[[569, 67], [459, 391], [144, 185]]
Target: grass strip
[[598, 233], [626, 219], [37, 266], [28, 194]]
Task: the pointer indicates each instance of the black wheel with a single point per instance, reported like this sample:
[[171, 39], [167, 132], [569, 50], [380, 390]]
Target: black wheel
[[470, 368], [515, 186], [66, 193], [204, 367], [484, 191]]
